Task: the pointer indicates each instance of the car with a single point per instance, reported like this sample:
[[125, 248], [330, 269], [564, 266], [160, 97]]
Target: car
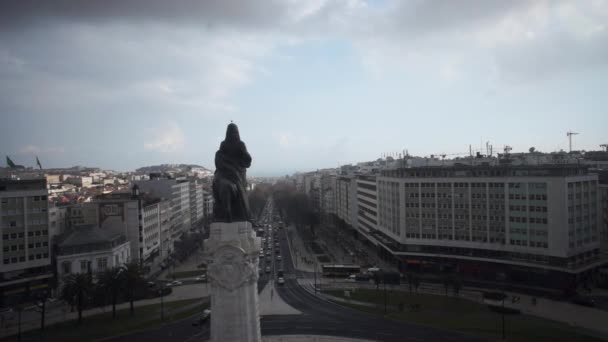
[[362, 277], [281, 281], [276, 244], [279, 257], [174, 283], [352, 278], [151, 284], [261, 255], [267, 269], [203, 318], [202, 277], [280, 273], [584, 301]]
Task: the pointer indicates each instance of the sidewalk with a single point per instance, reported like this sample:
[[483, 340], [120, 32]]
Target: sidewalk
[[300, 253], [272, 304], [564, 312], [197, 291], [188, 265]]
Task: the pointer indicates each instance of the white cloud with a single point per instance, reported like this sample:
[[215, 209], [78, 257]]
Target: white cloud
[[168, 138], [36, 150]]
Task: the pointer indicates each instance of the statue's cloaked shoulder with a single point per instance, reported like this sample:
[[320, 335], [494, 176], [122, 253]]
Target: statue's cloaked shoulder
[[245, 156]]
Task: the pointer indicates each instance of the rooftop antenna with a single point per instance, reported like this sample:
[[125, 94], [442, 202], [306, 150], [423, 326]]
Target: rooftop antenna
[[570, 134], [605, 147]]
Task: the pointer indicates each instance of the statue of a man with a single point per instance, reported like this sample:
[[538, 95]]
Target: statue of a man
[[230, 180]]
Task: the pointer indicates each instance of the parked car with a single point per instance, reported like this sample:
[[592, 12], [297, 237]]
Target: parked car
[[267, 269], [202, 277], [584, 301], [174, 283], [279, 258], [280, 273], [362, 277], [204, 318], [281, 281]]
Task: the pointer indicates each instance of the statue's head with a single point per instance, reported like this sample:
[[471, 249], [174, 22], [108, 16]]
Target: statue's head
[[232, 133]]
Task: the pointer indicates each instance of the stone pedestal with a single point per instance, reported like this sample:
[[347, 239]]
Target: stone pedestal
[[232, 268]]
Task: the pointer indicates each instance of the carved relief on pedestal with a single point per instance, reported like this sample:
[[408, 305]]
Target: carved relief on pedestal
[[232, 267]]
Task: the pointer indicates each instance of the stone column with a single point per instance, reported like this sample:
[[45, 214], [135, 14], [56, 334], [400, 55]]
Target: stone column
[[232, 257]]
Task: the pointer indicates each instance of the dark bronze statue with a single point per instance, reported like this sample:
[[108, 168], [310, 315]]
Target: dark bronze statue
[[230, 181]]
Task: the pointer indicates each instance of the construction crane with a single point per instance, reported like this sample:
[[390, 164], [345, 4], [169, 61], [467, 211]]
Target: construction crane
[[570, 134], [605, 147]]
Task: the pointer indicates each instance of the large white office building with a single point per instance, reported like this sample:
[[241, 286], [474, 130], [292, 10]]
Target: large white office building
[[25, 247], [538, 223]]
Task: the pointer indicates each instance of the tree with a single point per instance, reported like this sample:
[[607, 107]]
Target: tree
[[110, 282], [132, 278], [76, 290], [410, 281], [457, 285], [416, 283]]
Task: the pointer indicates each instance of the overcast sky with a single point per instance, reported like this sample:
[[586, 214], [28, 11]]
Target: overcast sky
[[311, 83]]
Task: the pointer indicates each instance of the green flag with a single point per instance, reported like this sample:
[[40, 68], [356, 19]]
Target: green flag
[[10, 163], [38, 163]]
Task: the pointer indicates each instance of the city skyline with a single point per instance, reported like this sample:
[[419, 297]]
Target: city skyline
[[310, 84]]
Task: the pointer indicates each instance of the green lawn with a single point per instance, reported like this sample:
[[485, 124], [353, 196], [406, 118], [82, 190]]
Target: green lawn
[[464, 316], [187, 274], [102, 325]]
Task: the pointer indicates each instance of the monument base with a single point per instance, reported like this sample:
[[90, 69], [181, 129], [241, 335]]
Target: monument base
[[232, 268]]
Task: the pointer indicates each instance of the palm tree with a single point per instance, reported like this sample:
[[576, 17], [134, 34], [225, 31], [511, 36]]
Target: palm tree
[[132, 278], [76, 290], [110, 282]]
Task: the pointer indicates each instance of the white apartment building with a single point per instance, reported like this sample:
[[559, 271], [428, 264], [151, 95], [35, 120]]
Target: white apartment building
[[197, 211], [367, 204], [603, 190], [25, 247], [540, 218], [140, 216], [91, 249], [346, 200], [207, 204], [178, 192]]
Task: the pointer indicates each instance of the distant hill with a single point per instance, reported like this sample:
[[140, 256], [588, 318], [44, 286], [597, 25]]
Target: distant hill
[[170, 167]]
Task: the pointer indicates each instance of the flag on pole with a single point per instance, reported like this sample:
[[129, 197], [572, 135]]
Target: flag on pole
[[38, 163], [10, 163]]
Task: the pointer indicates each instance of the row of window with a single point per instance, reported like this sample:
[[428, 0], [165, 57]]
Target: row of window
[[530, 244], [525, 219], [13, 236], [31, 257], [22, 246]]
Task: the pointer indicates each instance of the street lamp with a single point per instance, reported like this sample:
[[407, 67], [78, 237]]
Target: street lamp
[[162, 308], [315, 273]]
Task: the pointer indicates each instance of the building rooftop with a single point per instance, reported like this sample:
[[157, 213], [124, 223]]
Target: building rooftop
[[461, 170], [86, 235]]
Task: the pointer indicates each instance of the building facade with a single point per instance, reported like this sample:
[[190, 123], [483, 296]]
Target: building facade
[[367, 204], [178, 192], [25, 248], [197, 210], [544, 220], [91, 249]]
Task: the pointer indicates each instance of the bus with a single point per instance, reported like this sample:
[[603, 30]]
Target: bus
[[340, 270]]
